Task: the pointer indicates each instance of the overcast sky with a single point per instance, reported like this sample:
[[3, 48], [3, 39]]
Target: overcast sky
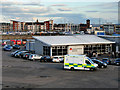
[[61, 11]]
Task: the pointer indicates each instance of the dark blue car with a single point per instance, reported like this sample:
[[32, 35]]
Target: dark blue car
[[100, 63], [16, 46], [117, 61], [106, 60], [7, 48]]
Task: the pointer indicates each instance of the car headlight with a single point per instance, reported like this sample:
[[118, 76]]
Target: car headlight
[[105, 64]]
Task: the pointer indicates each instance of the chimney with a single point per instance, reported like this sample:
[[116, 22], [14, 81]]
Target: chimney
[[88, 23], [37, 20]]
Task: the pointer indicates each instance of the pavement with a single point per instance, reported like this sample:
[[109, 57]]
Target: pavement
[[21, 73]]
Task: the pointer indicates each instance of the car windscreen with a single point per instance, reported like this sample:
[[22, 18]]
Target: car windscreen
[[117, 59], [95, 61], [27, 53], [99, 61], [19, 52], [47, 57], [104, 59], [8, 46], [55, 57], [17, 45], [61, 57]]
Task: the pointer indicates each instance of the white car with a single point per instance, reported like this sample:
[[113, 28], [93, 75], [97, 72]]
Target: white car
[[34, 57], [57, 59]]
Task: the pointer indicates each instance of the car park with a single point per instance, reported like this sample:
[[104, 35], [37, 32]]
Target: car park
[[46, 59], [34, 57], [16, 46], [7, 48], [117, 61], [26, 55], [57, 59], [106, 60], [21, 53], [100, 63], [13, 53]]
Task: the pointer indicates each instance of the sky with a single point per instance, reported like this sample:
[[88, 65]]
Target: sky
[[61, 11]]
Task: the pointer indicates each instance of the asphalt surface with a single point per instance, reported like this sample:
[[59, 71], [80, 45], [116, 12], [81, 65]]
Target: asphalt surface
[[20, 73]]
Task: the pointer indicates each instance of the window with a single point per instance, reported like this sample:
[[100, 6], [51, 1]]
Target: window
[[59, 50], [87, 62], [46, 50], [96, 62]]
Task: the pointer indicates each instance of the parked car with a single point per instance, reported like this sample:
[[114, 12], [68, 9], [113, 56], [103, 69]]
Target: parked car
[[57, 59], [7, 48], [106, 60], [117, 61], [21, 53], [46, 59], [34, 57], [100, 63], [16, 46], [13, 53], [26, 55]]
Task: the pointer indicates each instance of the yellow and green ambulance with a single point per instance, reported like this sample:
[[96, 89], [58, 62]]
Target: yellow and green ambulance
[[80, 62]]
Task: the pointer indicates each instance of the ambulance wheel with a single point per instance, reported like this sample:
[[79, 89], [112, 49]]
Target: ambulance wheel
[[72, 68]]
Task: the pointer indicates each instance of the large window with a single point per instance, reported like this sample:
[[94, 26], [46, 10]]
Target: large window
[[59, 50], [98, 48], [46, 50]]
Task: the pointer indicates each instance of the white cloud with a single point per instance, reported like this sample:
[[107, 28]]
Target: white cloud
[[28, 9], [13, 3], [64, 9], [15, 9], [80, 0], [59, 5]]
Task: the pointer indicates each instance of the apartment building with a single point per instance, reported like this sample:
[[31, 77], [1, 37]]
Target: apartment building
[[16, 26], [5, 27], [39, 26]]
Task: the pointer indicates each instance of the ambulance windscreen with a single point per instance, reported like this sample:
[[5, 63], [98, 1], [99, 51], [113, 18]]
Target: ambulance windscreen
[[90, 60]]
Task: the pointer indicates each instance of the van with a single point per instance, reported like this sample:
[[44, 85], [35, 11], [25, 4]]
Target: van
[[57, 59], [80, 62], [34, 57]]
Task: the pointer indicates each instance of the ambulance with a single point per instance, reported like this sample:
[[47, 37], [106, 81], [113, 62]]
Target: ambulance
[[80, 62]]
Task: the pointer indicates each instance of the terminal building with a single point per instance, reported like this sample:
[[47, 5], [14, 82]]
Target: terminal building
[[74, 45], [115, 38]]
